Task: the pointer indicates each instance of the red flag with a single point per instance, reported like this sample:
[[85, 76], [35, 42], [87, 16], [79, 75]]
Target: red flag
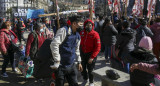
[[138, 7], [117, 7], [151, 7], [110, 3]]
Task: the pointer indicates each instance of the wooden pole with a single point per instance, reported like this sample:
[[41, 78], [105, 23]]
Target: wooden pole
[[126, 8], [57, 14], [91, 10]]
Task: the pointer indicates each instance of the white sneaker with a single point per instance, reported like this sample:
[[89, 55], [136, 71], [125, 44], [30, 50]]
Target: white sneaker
[[91, 84], [84, 83]]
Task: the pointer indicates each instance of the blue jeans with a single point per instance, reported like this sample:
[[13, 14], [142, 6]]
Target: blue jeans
[[126, 65], [108, 52]]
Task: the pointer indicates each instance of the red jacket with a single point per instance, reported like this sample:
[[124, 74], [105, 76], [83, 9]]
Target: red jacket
[[41, 39], [5, 41], [90, 42]]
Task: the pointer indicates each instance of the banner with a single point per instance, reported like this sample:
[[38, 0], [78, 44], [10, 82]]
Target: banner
[[33, 14], [151, 7], [138, 8]]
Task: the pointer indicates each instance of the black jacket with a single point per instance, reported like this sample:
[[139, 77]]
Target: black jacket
[[137, 77], [109, 35], [126, 41], [141, 32]]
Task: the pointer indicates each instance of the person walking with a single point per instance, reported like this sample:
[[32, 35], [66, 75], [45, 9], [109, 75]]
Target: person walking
[[35, 41], [65, 51], [90, 47], [6, 37]]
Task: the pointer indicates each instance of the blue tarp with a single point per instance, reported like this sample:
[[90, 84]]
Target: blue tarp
[[33, 14]]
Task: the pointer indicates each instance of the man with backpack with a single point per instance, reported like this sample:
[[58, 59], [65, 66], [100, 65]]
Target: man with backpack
[[35, 41], [65, 50]]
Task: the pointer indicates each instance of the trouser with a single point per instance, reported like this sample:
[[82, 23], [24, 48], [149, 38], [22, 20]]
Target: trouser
[[156, 50], [108, 51], [86, 66], [69, 73], [20, 37], [7, 58], [125, 64]]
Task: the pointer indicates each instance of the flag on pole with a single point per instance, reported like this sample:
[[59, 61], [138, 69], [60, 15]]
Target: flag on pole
[[151, 7], [126, 2], [110, 4], [117, 7], [138, 7]]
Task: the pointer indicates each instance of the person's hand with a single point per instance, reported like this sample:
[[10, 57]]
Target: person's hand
[[133, 67], [90, 61], [80, 68], [25, 59], [5, 53], [55, 66]]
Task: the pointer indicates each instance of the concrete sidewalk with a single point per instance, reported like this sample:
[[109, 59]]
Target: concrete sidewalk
[[19, 80]]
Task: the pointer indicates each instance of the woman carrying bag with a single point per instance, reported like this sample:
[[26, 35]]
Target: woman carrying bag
[[7, 40]]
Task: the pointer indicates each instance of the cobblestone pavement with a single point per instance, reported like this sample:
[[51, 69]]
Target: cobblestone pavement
[[17, 79]]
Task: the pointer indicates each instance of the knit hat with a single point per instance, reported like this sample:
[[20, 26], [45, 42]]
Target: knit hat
[[146, 43]]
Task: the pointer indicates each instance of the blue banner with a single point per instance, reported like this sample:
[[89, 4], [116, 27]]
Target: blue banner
[[33, 14]]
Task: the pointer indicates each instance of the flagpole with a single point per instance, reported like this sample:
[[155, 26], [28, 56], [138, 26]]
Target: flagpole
[[119, 9], [57, 14], [91, 10], [112, 12], [126, 8]]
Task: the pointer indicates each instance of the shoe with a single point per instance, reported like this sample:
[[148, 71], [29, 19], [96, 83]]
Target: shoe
[[91, 84], [84, 83], [4, 75], [15, 70]]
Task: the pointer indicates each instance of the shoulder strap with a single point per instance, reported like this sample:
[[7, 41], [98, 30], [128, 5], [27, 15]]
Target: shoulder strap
[[66, 34], [7, 35], [35, 36]]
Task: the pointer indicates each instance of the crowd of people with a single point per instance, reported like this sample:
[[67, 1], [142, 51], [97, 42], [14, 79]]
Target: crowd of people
[[130, 44]]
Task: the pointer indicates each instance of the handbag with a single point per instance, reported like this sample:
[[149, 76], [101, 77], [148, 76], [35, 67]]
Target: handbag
[[115, 61], [13, 47]]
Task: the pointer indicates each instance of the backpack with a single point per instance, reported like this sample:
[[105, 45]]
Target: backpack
[[44, 59]]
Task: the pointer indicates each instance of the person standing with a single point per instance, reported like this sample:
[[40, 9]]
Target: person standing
[[90, 47], [109, 37], [65, 51], [6, 37], [35, 41], [155, 28], [125, 44]]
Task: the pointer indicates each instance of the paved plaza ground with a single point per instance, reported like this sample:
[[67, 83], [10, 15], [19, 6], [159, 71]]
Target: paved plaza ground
[[19, 80]]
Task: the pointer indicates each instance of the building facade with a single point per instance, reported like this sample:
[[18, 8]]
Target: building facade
[[10, 8]]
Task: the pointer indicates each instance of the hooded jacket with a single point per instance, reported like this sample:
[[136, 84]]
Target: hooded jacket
[[90, 42], [125, 41], [138, 77], [5, 41]]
